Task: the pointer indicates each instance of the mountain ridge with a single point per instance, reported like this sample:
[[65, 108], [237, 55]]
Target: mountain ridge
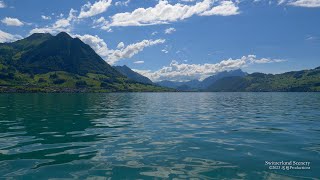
[[46, 63], [293, 81], [126, 71]]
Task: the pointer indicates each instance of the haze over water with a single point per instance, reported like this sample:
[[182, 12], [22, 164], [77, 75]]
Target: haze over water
[[158, 135]]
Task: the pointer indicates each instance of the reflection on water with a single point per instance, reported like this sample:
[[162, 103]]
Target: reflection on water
[[158, 135]]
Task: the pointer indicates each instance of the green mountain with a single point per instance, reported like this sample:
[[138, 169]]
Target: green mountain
[[212, 79], [126, 71], [46, 63], [295, 81]]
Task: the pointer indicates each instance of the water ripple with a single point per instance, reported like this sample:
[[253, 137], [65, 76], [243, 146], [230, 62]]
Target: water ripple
[[158, 135]]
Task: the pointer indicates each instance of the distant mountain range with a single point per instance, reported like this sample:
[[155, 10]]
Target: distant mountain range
[[239, 81], [46, 63], [196, 85], [295, 81]]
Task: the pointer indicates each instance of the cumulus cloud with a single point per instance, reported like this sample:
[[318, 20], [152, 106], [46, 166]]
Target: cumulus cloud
[[164, 13], [225, 8], [61, 25], [131, 50], [12, 21], [7, 37], [120, 45], [169, 30], [45, 17], [306, 3], [89, 10], [182, 72], [2, 4], [138, 62], [114, 55]]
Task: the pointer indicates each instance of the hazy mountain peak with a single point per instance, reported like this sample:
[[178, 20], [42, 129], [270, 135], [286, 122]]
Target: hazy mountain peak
[[126, 71], [196, 84]]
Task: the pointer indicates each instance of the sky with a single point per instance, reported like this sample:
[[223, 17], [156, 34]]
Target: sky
[[179, 40]]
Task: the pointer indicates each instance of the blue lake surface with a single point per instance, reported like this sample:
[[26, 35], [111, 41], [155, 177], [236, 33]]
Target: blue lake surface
[[158, 135]]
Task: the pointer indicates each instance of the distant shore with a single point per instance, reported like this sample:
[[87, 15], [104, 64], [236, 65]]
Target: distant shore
[[21, 89]]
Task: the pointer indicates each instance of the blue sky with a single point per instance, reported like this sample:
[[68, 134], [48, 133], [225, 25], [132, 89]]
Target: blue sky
[[179, 39]]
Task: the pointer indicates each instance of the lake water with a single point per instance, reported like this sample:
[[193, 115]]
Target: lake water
[[158, 135]]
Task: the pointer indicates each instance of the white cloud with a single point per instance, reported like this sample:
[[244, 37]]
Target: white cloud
[[225, 8], [131, 50], [306, 3], [165, 51], [169, 30], [61, 25], [112, 56], [300, 3], [312, 38], [65, 24], [281, 2], [7, 37], [2, 4], [46, 30], [100, 20], [120, 45], [138, 62], [45, 17], [183, 72], [12, 21], [164, 13], [89, 10], [122, 3], [154, 33]]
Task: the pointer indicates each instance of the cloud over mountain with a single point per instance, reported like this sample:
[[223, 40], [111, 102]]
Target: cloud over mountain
[[122, 51], [61, 25], [182, 72], [7, 37]]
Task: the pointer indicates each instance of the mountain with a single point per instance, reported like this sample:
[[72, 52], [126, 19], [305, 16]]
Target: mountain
[[170, 84], [126, 71], [212, 79], [196, 85], [305, 80], [46, 63], [193, 84], [64, 53]]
